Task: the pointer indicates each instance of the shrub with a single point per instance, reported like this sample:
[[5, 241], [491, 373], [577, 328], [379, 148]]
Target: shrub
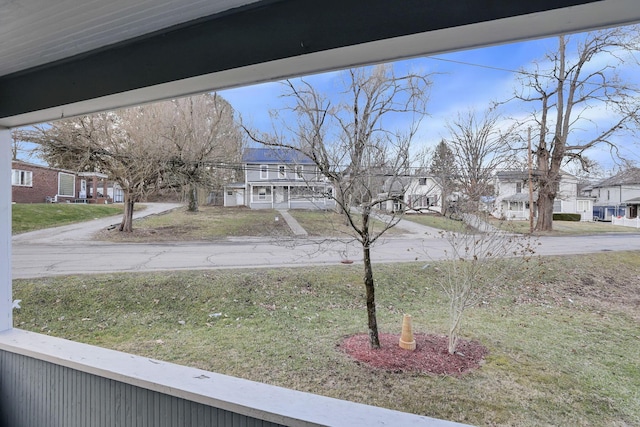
[[566, 217]]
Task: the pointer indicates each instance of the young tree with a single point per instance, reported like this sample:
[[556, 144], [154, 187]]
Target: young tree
[[479, 147], [474, 264], [581, 76], [353, 145]]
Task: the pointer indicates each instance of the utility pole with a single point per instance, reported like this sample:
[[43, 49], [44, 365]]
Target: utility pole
[[529, 157]]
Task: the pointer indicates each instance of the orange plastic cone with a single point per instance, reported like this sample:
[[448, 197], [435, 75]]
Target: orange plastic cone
[[406, 338]]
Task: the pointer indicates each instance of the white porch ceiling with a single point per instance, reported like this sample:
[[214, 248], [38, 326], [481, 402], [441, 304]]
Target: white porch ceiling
[[36, 32]]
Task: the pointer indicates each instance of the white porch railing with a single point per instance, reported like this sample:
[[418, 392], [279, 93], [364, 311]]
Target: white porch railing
[[70, 384], [626, 222]]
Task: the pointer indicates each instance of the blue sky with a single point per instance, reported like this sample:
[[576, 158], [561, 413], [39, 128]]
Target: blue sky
[[462, 80]]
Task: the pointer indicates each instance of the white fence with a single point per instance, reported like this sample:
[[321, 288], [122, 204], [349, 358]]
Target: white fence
[[626, 222]]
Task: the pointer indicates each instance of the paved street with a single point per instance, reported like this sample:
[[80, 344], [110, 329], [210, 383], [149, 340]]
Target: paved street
[[48, 253]]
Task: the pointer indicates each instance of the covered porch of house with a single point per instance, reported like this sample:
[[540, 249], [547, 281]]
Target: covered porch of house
[[633, 208], [93, 188], [516, 207], [147, 50], [631, 217]]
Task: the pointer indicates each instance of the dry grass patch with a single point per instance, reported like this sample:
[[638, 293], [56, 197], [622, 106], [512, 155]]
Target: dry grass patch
[[210, 223], [331, 224], [563, 228]]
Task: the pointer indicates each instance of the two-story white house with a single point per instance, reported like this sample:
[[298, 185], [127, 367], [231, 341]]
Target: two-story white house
[[512, 200], [618, 195], [423, 193], [411, 194], [279, 178]]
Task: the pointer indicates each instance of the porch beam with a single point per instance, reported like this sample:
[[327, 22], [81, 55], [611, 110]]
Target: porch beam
[[6, 298]]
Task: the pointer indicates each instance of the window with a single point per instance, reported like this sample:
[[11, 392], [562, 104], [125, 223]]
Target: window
[[608, 194], [557, 205], [66, 184], [518, 187], [299, 171], [262, 193], [21, 178], [282, 172], [422, 181], [230, 193], [264, 171]]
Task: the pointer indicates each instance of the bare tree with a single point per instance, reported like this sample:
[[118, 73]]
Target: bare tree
[[205, 138], [21, 150], [352, 145], [479, 147], [125, 144], [145, 148], [474, 264], [580, 77]]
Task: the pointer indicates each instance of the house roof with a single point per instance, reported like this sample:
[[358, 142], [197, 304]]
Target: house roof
[[35, 165], [630, 176], [512, 175], [275, 156], [520, 197], [80, 174], [515, 175]]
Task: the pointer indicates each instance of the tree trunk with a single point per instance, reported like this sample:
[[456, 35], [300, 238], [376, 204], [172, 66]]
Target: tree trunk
[[127, 218], [444, 197], [374, 340], [193, 198], [545, 212]]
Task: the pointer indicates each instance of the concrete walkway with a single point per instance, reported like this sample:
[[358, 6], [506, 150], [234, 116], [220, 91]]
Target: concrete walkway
[[294, 225]]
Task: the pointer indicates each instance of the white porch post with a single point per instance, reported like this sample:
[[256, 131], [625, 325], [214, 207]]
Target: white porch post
[[6, 311]]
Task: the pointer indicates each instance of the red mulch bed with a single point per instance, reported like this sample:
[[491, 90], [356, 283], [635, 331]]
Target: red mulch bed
[[430, 356]]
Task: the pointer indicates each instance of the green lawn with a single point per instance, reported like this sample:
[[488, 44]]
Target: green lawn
[[564, 349], [35, 216]]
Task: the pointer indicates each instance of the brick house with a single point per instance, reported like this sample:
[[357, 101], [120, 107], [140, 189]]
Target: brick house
[[31, 183]]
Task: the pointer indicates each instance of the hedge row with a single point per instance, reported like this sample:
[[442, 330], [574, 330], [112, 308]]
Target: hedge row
[[566, 217]]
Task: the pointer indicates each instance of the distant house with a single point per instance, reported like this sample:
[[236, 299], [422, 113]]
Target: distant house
[[512, 197], [410, 194], [32, 183], [278, 178], [618, 195], [423, 193]]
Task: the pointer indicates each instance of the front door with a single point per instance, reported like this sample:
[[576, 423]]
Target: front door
[[583, 209], [83, 189]]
